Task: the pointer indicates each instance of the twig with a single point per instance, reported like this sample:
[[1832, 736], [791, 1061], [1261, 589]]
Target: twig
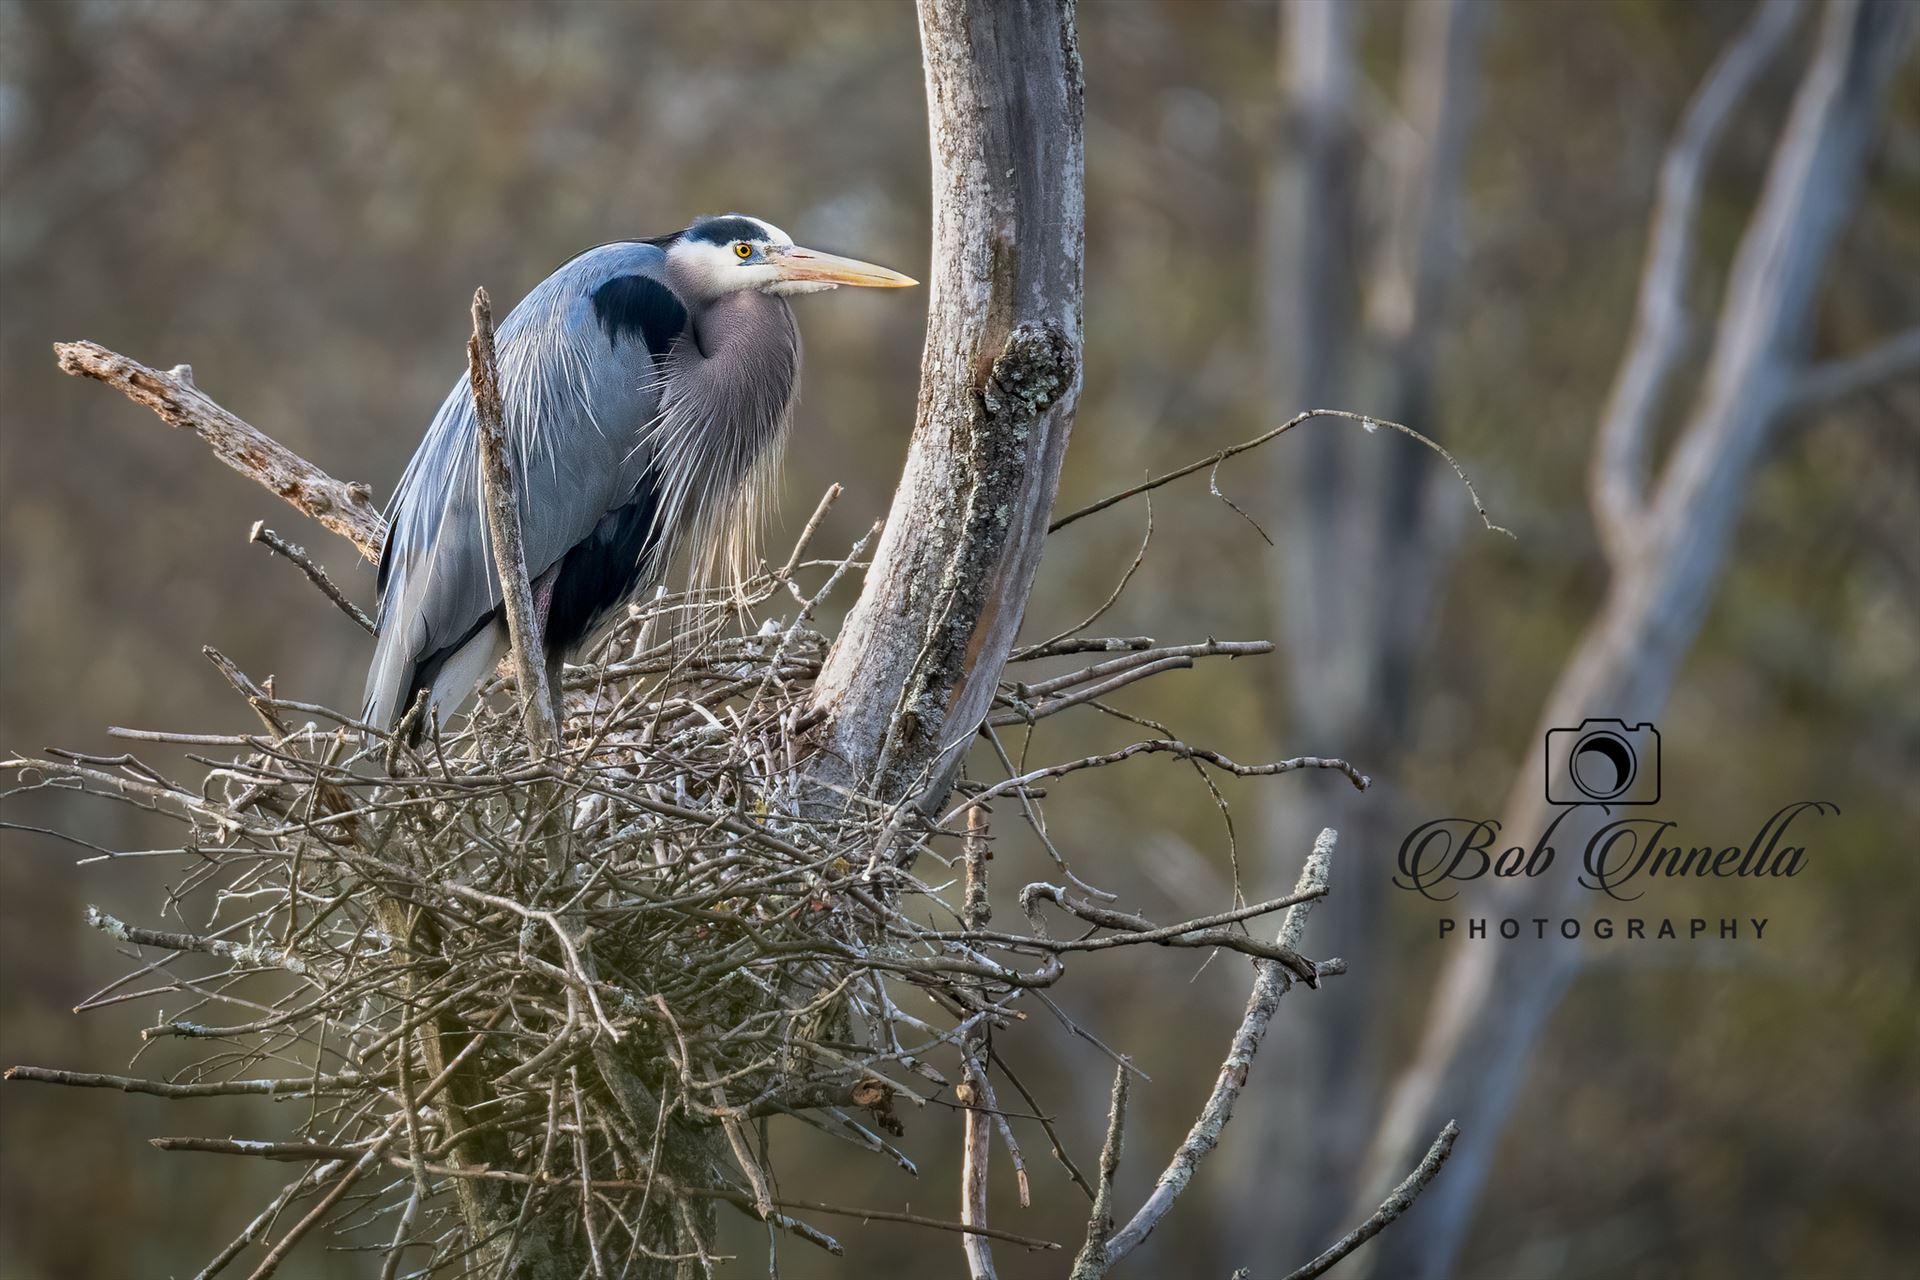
[[1004, 1123], [503, 529], [1152, 746], [1270, 983], [743, 1155], [347, 509], [1132, 930], [258, 954], [1081, 644], [1057, 1147], [344, 1082], [977, 910], [827, 499], [243, 684], [1392, 1207], [1082, 696], [580, 1140], [259, 1150], [975, 1047], [1213, 460], [1091, 1262], [811, 1234], [1138, 656], [315, 574], [416, 1152]]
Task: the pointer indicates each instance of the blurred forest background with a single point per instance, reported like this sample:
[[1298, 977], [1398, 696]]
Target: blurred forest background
[[298, 200]]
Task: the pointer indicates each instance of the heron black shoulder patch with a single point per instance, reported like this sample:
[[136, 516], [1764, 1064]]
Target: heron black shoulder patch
[[642, 306]]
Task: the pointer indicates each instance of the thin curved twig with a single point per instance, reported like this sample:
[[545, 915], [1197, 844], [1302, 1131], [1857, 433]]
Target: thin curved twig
[[1396, 1203], [1270, 983], [1367, 422]]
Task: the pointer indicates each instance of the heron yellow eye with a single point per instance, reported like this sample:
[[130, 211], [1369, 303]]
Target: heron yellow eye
[[742, 249]]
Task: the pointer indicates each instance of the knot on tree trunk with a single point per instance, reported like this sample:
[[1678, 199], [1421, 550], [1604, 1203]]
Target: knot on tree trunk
[[1035, 367]]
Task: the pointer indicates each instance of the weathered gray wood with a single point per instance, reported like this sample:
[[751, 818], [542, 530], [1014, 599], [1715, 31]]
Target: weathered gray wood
[[913, 671], [503, 531], [1270, 982], [347, 509]]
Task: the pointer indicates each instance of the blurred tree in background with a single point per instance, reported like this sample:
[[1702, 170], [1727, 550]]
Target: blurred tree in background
[[299, 198]]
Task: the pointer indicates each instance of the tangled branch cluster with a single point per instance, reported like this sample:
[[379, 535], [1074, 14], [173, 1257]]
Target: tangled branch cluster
[[554, 991]]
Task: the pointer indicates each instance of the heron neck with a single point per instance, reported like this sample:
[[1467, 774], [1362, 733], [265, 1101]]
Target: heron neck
[[737, 323], [741, 364]]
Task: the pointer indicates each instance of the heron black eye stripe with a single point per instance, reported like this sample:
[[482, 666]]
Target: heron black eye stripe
[[723, 229]]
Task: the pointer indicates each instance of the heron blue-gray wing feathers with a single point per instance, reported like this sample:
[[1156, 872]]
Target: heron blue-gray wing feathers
[[582, 364]]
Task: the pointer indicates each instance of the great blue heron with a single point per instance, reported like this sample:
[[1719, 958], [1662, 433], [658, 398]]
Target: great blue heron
[[646, 386]]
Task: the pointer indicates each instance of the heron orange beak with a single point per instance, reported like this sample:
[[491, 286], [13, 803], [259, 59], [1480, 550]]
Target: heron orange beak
[[828, 268]]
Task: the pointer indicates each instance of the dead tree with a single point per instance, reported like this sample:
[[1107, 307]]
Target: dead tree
[[1666, 540], [536, 977]]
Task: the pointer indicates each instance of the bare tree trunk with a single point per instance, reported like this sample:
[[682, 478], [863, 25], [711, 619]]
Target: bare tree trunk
[[1366, 540], [1494, 998], [913, 671]]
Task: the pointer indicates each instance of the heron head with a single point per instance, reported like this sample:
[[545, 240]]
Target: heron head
[[734, 252]]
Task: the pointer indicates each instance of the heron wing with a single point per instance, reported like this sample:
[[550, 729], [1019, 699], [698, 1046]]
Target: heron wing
[[579, 383]]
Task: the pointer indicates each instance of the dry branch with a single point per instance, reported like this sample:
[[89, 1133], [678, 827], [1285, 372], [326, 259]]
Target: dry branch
[[1398, 1201], [1892, 360], [315, 574], [1091, 1262], [345, 1082], [1212, 462], [1106, 1247], [1168, 746], [976, 1143], [347, 509], [503, 528]]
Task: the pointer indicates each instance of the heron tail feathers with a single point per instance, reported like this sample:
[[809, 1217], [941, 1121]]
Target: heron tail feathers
[[450, 675]]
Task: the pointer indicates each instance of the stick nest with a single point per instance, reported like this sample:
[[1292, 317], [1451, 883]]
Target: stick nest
[[557, 990]]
